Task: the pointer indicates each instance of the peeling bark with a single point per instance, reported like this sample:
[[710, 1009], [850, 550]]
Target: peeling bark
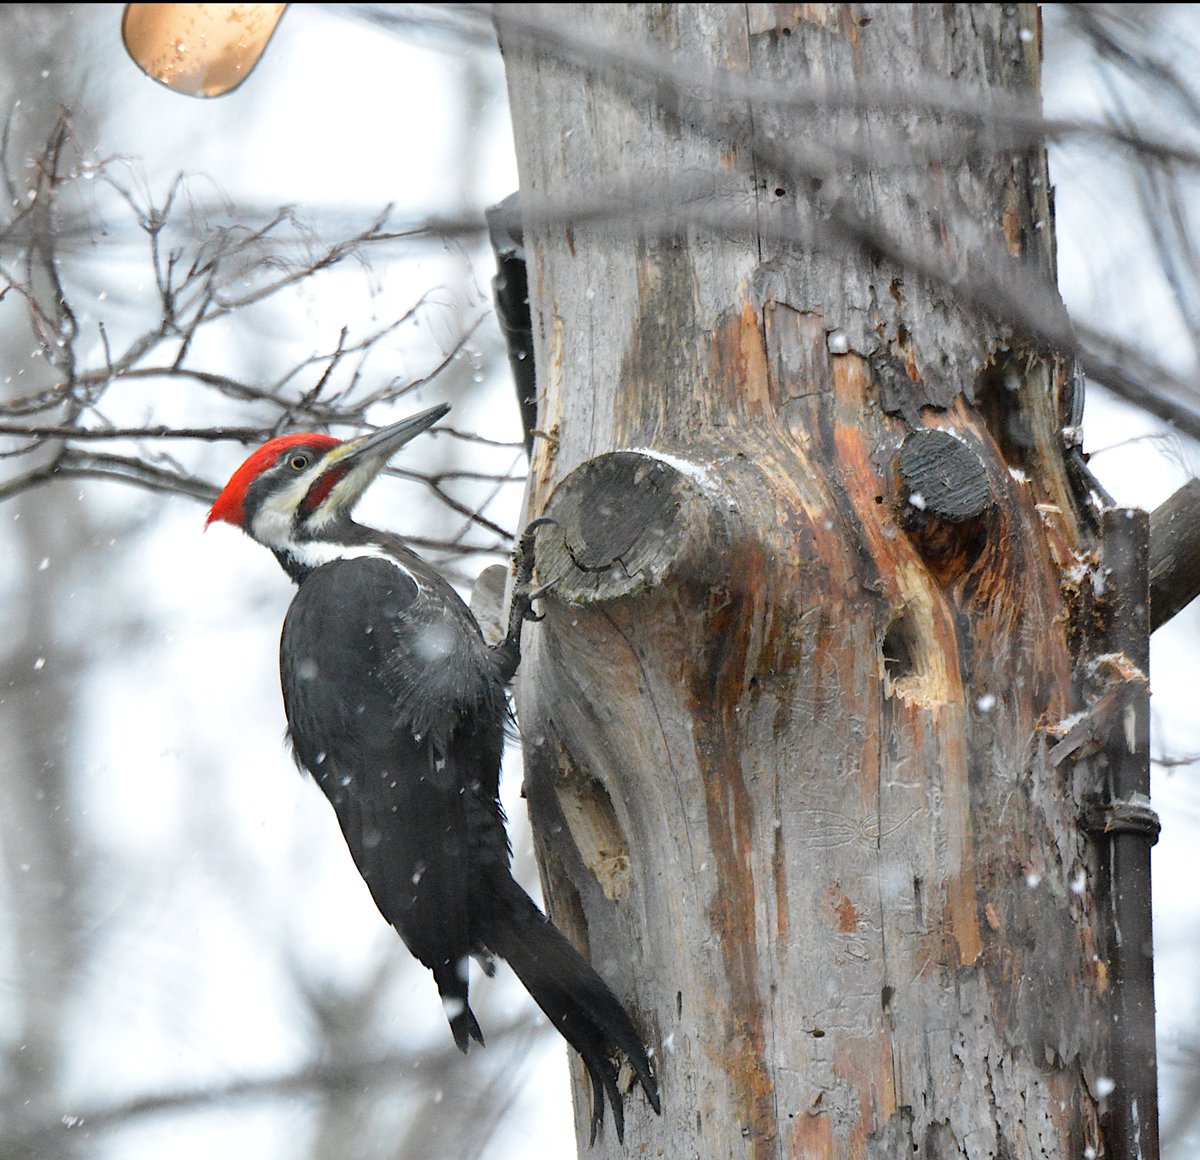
[[787, 729]]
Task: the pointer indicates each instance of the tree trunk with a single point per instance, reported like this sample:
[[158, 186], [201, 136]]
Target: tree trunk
[[824, 583]]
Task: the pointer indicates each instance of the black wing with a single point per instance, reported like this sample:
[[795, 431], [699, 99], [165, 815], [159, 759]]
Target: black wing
[[396, 706], [380, 712]]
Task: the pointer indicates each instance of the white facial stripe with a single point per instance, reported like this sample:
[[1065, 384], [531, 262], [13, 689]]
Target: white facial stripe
[[272, 523], [344, 494]]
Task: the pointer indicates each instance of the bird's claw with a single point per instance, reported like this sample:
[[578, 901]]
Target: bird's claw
[[523, 556], [528, 595], [524, 590]]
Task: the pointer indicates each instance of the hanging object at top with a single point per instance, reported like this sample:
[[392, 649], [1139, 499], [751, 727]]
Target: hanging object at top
[[201, 50]]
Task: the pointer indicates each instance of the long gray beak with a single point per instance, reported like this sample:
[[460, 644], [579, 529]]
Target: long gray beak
[[384, 443]]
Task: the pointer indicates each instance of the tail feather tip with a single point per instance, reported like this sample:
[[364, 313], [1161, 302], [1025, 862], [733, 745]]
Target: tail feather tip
[[463, 1024]]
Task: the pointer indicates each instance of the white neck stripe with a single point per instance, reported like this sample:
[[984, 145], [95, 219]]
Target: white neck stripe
[[314, 553]]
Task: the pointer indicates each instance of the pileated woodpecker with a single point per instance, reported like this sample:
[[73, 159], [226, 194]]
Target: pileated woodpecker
[[397, 707]]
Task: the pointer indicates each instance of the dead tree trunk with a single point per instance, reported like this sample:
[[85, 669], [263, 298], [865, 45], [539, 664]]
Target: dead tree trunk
[[826, 582]]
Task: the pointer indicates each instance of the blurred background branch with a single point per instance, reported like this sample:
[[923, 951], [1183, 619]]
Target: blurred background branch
[[206, 265]]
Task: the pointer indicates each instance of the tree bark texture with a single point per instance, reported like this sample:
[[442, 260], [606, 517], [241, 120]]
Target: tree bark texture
[[824, 584]]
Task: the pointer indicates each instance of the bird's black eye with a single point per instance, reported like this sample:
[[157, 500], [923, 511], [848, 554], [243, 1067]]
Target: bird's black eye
[[298, 462]]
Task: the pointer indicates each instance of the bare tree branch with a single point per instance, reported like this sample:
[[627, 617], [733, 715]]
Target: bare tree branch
[[200, 277], [418, 1071]]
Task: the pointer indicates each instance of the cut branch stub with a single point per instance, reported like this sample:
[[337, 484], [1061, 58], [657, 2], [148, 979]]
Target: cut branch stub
[[1175, 554], [620, 522], [941, 478], [942, 493]]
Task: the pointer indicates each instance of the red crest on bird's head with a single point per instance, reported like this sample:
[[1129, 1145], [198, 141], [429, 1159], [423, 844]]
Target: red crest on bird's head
[[230, 504], [295, 487]]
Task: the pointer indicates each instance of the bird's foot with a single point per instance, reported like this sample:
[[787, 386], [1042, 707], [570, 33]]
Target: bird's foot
[[524, 591], [508, 650]]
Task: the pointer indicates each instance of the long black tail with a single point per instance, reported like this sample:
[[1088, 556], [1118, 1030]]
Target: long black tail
[[575, 999]]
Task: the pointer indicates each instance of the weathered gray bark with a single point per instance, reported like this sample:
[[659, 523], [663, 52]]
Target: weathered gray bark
[[787, 718]]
